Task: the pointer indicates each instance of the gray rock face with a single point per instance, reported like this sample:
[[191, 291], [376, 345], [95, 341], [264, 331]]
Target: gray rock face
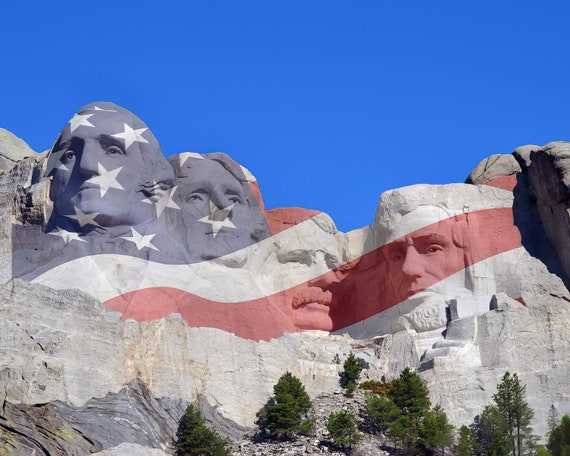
[[549, 177], [132, 416], [108, 331], [12, 150], [492, 167]]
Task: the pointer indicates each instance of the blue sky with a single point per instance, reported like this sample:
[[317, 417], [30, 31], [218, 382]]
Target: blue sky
[[328, 103]]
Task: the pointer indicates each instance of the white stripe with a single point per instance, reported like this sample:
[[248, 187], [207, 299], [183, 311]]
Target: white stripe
[[110, 275]]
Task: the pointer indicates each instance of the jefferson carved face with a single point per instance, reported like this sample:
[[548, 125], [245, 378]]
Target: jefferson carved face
[[105, 167], [420, 259], [215, 209], [307, 254]]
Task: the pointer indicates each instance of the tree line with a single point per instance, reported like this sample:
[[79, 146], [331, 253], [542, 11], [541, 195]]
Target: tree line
[[401, 412]]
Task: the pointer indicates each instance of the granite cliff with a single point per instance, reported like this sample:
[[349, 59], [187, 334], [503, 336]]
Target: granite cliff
[[132, 285]]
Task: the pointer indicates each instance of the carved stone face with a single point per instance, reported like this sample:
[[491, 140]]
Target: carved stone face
[[215, 209], [306, 254], [100, 166], [418, 260]]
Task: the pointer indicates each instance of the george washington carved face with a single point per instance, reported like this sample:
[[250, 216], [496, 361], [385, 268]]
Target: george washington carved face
[[106, 166]]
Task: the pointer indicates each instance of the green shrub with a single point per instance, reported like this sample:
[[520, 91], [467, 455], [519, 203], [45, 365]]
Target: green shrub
[[380, 412], [289, 411], [194, 438], [351, 371], [343, 429], [376, 386]]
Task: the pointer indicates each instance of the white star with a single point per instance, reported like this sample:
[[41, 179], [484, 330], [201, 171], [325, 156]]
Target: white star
[[67, 236], [106, 179], [130, 135], [83, 218], [184, 156], [79, 120], [140, 240], [97, 108], [218, 218]]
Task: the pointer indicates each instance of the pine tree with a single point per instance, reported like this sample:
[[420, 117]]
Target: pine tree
[[289, 411], [517, 415], [404, 431], [436, 431], [552, 420], [410, 394], [491, 433], [467, 442], [350, 374], [380, 412], [343, 429], [559, 440], [194, 438]]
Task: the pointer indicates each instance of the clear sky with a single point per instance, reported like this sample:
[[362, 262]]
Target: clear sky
[[328, 103]]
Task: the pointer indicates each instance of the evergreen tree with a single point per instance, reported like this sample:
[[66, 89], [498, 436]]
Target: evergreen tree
[[350, 374], [436, 432], [491, 435], [410, 394], [467, 442], [380, 412], [343, 429], [542, 451], [289, 411], [559, 440], [515, 411], [552, 420], [402, 430], [194, 438]]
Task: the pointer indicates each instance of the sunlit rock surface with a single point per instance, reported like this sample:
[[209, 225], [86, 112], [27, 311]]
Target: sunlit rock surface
[[127, 295]]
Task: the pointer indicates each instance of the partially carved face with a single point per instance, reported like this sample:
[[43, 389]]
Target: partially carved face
[[420, 259], [215, 209], [306, 254]]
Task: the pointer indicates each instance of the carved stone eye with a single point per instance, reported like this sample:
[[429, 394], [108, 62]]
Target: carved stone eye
[[114, 150], [434, 248]]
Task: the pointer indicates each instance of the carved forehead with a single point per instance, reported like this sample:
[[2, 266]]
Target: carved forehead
[[104, 118], [207, 175], [419, 218], [309, 236], [100, 119]]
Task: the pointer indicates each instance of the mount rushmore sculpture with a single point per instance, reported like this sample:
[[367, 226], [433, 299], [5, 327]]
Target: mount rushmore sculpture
[[185, 244]]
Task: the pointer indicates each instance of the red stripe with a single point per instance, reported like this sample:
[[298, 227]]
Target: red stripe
[[364, 293], [281, 218]]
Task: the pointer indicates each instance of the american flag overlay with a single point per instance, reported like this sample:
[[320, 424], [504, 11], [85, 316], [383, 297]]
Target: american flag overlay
[[150, 236]]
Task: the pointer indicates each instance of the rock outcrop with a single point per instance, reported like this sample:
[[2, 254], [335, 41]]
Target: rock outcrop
[[133, 285]]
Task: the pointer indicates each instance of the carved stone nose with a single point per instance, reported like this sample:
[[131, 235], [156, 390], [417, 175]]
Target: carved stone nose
[[324, 281]]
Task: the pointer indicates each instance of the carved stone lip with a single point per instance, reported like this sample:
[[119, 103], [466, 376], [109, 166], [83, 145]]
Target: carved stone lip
[[304, 303]]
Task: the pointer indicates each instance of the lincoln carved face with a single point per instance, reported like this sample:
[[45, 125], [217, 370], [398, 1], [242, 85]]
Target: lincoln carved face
[[106, 167], [420, 259]]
